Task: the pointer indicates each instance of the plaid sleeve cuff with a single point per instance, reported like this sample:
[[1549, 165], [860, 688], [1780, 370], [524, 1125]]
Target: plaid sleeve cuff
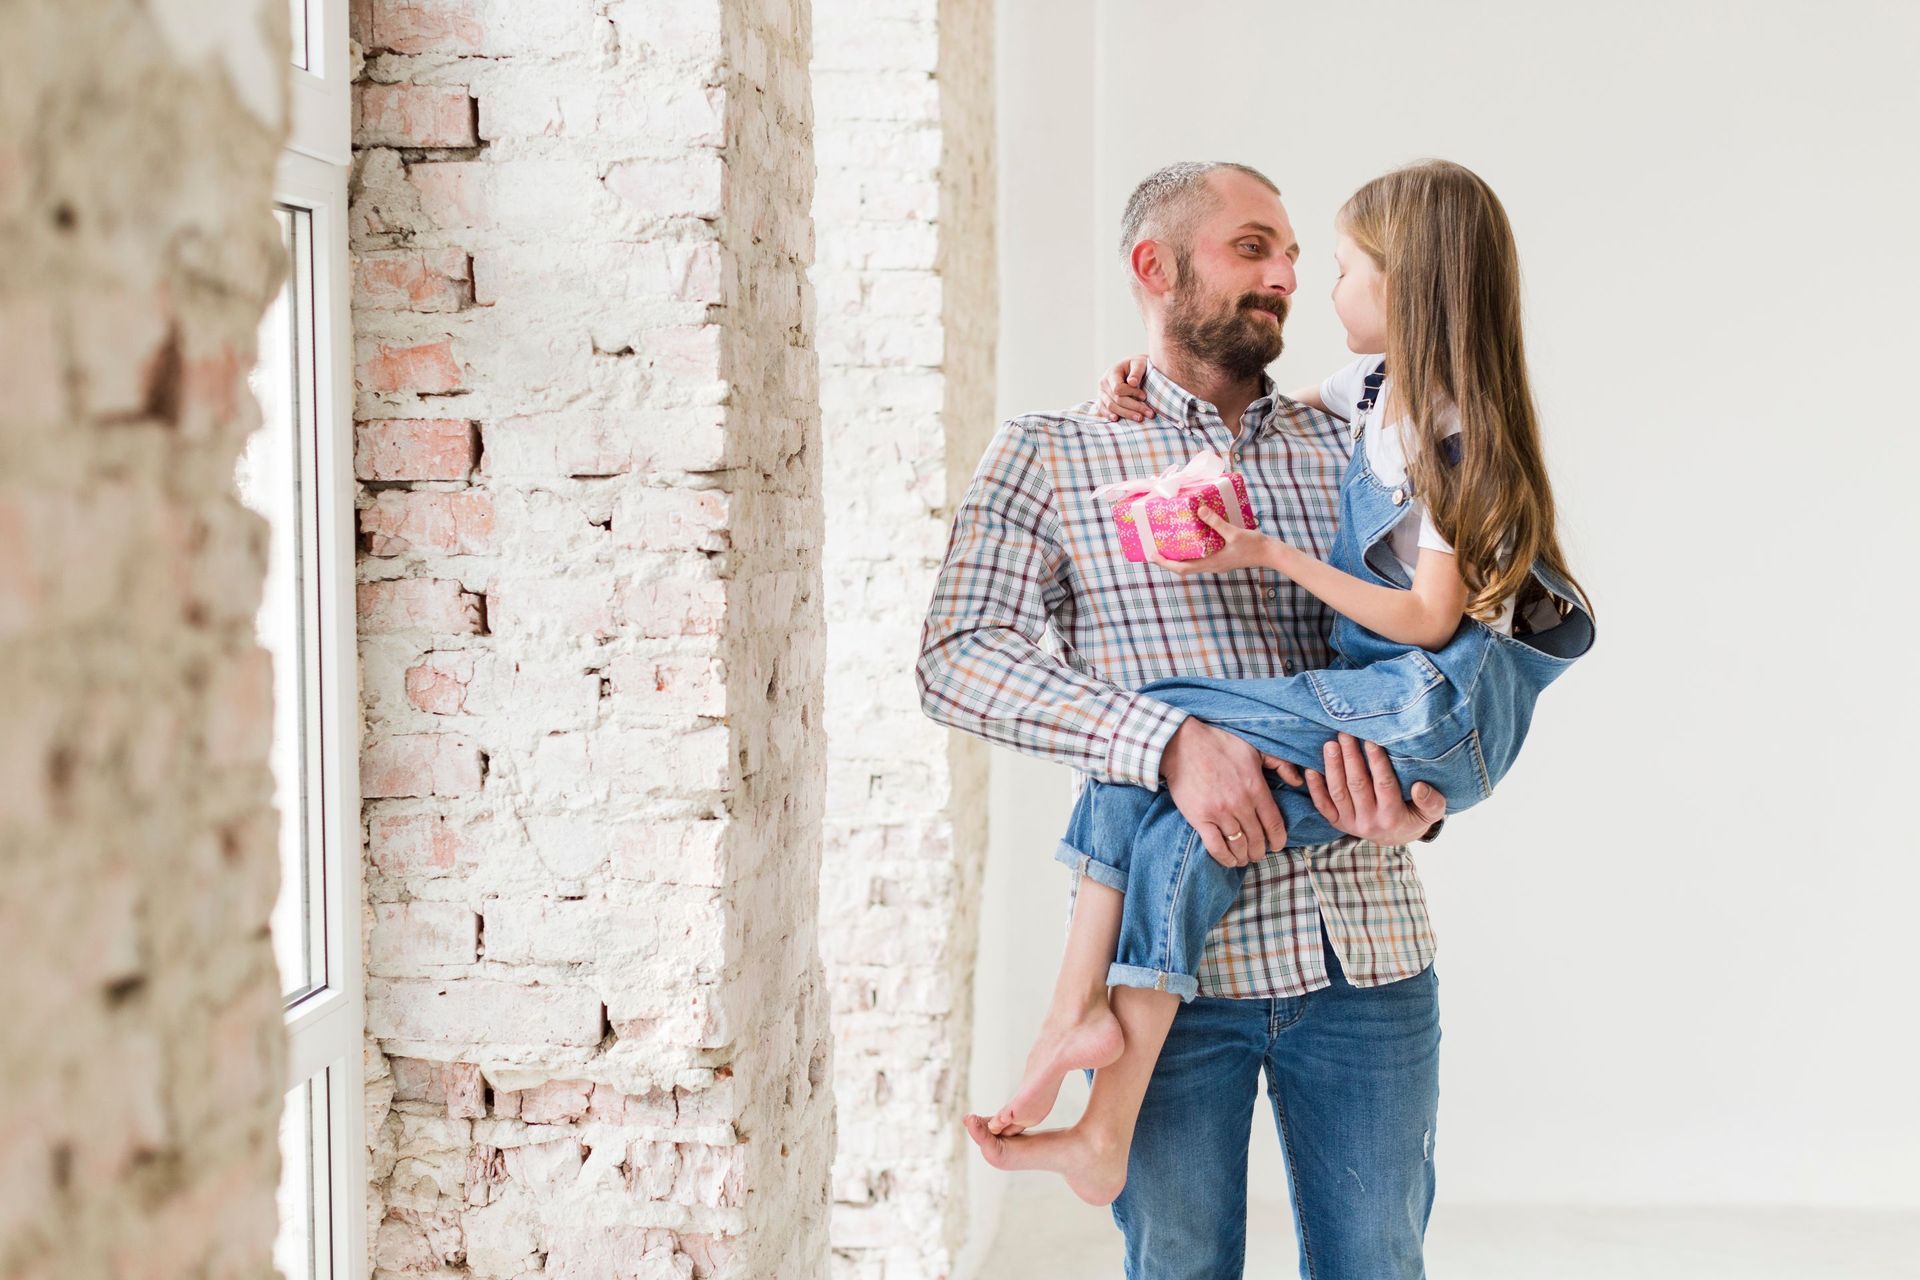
[[1145, 728]]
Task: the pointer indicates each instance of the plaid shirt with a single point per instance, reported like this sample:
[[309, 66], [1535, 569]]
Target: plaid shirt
[[1039, 631]]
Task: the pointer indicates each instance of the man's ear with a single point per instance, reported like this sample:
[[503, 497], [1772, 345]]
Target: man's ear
[[1152, 266]]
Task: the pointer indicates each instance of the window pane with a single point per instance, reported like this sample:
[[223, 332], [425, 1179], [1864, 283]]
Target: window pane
[[293, 1252], [269, 479], [299, 8]]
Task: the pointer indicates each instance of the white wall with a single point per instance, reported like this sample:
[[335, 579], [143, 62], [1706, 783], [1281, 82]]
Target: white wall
[[1674, 948], [1044, 64]]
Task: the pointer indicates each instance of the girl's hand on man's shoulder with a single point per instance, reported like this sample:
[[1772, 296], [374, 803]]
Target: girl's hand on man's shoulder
[[1120, 394]]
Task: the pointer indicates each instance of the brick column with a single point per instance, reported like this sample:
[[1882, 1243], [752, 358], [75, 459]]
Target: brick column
[[907, 321], [593, 638], [140, 1027]]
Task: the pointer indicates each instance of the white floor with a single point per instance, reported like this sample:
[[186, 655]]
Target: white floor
[[1046, 1234]]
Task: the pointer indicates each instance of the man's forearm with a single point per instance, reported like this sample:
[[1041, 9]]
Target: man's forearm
[[995, 684]]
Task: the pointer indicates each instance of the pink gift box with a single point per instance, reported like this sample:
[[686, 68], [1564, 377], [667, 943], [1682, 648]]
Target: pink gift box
[[1170, 504]]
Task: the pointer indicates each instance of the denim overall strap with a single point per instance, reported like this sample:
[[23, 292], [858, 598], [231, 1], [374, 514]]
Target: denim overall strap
[[1369, 393]]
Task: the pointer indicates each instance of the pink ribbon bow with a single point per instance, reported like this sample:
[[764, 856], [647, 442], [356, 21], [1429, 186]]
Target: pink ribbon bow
[[1203, 466]]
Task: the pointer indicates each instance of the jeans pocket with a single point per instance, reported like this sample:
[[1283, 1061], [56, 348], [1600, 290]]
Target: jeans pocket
[[1377, 689], [1462, 764]]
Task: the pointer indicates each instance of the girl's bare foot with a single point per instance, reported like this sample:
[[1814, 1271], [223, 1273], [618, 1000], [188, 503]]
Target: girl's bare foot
[[1092, 1040], [1095, 1169]]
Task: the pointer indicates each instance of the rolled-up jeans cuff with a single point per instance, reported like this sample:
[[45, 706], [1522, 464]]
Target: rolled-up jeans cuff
[[1184, 985], [1091, 867]]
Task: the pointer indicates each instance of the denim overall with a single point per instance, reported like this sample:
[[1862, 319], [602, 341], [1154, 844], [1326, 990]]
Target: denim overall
[[1454, 718]]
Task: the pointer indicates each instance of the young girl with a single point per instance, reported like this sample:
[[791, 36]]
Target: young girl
[[1455, 610]]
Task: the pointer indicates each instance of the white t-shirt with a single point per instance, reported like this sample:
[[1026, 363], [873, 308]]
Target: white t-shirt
[[1387, 456]]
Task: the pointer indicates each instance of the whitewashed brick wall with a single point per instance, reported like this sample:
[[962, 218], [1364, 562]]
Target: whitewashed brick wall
[[904, 211], [593, 638], [140, 1029]]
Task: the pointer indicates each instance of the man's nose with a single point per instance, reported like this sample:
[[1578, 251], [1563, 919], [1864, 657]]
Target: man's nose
[[1282, 279]]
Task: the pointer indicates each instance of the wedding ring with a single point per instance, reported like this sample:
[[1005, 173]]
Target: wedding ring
[[1238, 835]]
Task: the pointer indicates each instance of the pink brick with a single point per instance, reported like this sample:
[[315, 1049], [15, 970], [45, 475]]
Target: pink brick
[[711, 1176], [458, 1086], [425, 846], [477, 1010], [420, 764], [428, 369], [438, 605], [407, 935], [466, 1091], [674, 607], [436, 1083], [454, 194], [607, 1105], [438, 683], [486, 1169], [411, 115], [424, 26], [436, 280], [451, 524], [415, 449], [555, 1102]]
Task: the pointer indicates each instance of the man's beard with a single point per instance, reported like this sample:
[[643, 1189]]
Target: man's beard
[[1237, 342]]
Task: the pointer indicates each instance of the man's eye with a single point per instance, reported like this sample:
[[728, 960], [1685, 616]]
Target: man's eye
[[1251, 246]]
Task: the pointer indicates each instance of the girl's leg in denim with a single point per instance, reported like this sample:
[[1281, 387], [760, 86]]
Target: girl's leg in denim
[[1429, 737]]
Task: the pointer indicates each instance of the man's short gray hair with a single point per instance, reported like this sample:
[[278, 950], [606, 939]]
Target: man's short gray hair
[[1169, 201]]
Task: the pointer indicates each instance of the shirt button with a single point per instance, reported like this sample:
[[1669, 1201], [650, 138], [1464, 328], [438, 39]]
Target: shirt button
[[1286, 666], [1399, 497], [1269, 593]]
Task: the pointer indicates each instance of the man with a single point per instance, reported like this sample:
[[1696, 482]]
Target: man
[[1038, 633]]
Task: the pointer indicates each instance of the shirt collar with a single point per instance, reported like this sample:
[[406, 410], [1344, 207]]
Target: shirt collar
[[1174, 403]]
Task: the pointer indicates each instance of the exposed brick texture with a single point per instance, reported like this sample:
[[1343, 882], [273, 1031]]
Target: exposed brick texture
[[140, 1026], [592, 639], [904, 211]]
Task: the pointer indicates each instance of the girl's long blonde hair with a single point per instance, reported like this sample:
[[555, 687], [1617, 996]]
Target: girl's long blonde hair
[[1443, 244]]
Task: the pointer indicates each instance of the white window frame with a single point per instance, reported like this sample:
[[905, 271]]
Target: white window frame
[[326, 1024], [322, 97]]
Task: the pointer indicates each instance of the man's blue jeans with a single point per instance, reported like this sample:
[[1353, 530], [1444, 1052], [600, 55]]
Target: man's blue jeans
[[1353, 1074]]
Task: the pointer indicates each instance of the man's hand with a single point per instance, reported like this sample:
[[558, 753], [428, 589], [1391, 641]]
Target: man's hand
[[1360, 795], [1216, 781]]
